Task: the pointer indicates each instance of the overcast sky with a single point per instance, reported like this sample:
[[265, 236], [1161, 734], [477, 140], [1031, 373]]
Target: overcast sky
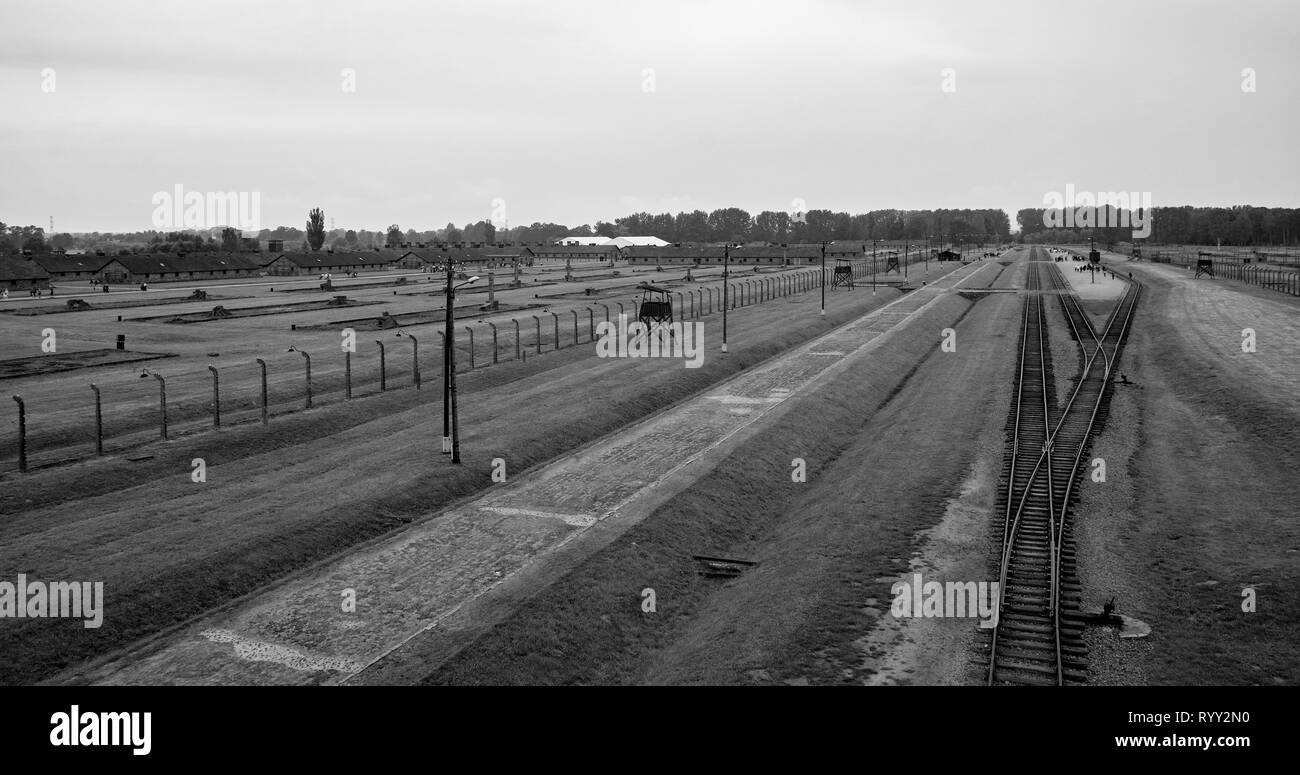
[[549, 106]]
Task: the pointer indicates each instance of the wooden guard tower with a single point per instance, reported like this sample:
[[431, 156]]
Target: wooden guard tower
[[891, 262], [843, 275]]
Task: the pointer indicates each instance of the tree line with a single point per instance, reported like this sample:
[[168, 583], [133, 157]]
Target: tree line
[[1241, 225], [732, 224]]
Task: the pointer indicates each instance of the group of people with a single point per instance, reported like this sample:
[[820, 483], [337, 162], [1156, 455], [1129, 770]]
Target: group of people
[[33, 291], [1094, 268]]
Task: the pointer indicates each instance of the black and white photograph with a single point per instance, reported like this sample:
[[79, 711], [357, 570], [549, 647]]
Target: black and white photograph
[[712, 343]]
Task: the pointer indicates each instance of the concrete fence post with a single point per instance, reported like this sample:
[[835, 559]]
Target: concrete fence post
[[216, 398], [415, 360], [262, 364], [22, 434], [347, 375], [307, 359], [493, 326], [383, 367], [471, 347], [162, 405], [99, 421]]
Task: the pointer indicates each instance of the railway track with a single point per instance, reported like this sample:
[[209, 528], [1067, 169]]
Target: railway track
[[1039, 635]]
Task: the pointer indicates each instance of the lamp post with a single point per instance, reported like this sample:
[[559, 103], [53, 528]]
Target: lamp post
[[451, 430], [726, 266], [823, 277]]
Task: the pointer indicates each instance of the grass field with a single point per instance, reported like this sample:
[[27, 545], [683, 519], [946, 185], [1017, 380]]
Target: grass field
[[147, 530], [60, 412]]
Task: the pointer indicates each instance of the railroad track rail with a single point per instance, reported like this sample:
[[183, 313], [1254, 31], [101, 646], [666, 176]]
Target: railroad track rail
[[1039, 635]]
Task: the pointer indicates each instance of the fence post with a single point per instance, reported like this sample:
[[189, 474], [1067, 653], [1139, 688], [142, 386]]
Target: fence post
[[22, 434], [99, 421], [539, 334], [471, 347], [494, 340], [518, 345], [216, 398], [383, 367], [347, 375], [591, 323], [162, 404], [415, 360], [557, 330], [307, 358], [575, 327], [606, 306], [262, 363]]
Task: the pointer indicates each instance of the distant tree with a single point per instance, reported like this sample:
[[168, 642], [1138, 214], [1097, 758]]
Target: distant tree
[[604, 229], [582, 231], [821, 226], [34, 241], [771, 226], [452, 234], [286, 233], [489, 232], [229, 240], [693, 226], [730, 224], [316, 228], [394, 236], [61, 241], [636, 224], [350, 237], [663, 226]]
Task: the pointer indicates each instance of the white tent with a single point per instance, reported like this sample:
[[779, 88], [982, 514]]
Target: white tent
[[584, 241], [639, 242]]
